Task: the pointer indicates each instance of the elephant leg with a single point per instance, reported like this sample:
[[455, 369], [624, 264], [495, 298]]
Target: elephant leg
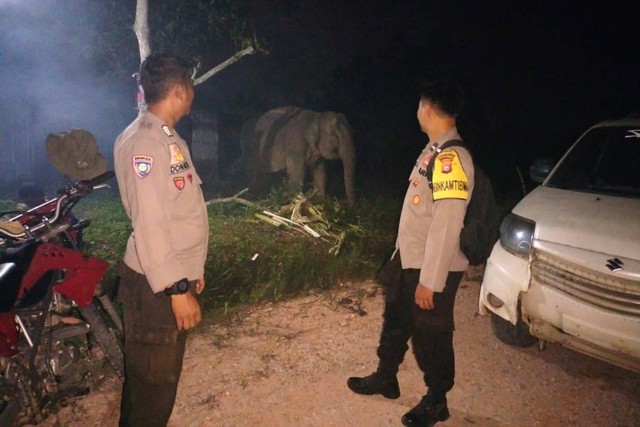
[[320, 179], [295, 173]]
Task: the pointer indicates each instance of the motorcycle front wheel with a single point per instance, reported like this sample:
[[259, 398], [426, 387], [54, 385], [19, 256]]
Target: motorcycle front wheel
[[105, 339], [9, 405]]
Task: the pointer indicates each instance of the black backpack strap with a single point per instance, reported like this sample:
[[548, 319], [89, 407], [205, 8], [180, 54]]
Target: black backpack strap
[[438, 150]]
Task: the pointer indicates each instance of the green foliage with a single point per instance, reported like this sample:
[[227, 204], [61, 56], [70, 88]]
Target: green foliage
[[192, 27], [7, 205], [250, 260], [107, 236], [206, 31], [101, 33]]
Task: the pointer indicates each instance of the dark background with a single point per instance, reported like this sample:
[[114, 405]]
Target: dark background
[[536, 75]]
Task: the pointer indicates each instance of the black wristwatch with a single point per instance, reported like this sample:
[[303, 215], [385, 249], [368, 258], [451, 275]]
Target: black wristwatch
[[180, 287]]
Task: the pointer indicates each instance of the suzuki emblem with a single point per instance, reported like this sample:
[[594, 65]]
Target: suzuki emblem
[[614, 264]]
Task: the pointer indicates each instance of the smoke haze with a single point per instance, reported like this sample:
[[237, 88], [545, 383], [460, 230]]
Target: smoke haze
[[50, 85]]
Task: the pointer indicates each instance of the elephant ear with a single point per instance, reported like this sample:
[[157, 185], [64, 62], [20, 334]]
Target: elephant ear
[[270, 124], [342, 125], [345, 133]]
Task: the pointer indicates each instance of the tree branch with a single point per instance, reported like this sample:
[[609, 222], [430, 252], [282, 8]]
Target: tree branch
[[236, 199], [248, 51]]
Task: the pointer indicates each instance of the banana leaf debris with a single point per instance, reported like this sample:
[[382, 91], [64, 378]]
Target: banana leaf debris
[[303, 216]]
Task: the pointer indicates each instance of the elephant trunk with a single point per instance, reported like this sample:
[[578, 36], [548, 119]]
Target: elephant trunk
[[348, 157]]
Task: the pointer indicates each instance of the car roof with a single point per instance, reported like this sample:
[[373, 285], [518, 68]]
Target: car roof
[[633, 120]]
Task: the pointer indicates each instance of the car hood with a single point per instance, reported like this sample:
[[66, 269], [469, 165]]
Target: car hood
[[594, 222]]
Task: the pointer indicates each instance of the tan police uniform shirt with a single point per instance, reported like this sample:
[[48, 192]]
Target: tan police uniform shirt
[[431, 221], [161, 193]]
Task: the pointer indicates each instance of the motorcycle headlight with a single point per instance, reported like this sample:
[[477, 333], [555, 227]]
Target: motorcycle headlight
[[516, 234]]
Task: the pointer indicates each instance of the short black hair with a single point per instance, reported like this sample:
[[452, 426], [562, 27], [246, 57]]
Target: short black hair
[[446, 96], [159, 73]]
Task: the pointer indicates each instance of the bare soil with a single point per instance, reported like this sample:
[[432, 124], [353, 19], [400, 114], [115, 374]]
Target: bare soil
[[286, 364]]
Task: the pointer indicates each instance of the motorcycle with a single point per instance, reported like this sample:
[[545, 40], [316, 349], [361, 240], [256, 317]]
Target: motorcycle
[[54, 311]]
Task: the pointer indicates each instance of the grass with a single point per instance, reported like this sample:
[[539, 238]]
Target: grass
[[250, 260]]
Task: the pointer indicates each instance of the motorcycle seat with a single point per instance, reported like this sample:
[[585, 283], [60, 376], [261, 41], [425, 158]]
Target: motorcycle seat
[[13, 227]]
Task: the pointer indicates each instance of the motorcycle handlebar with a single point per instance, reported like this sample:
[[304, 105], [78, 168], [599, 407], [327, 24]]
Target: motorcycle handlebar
[[16, 249], [100, 178], [73, 191], [84, 187]]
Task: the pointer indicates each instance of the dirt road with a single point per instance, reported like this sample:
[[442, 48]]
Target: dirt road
[[286, 364]]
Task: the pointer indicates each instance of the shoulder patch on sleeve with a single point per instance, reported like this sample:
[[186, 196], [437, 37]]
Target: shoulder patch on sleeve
[[142, 165], [449, 178]]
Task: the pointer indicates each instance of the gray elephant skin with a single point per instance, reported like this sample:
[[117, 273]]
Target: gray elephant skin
[[297, 141]]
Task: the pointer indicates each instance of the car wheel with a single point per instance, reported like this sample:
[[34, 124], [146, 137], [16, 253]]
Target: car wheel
[[515, 335]]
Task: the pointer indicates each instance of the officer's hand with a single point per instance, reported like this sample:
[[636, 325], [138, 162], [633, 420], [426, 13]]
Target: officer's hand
[[424, 297], [200, 285], [186, 309]]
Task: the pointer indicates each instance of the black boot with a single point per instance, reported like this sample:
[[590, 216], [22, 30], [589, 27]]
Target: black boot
[[431, 409], [375, 383]]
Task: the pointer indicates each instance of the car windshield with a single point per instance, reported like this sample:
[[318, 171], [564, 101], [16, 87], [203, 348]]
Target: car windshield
[[605, 160]]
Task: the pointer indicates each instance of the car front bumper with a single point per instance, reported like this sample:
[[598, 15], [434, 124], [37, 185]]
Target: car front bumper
[[555, 314], [505, 277], [573, 323]]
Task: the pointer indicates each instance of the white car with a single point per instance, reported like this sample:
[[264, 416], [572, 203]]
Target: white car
[[567, 266]]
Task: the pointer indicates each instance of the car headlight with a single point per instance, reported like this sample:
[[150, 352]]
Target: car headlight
[[516, 234]]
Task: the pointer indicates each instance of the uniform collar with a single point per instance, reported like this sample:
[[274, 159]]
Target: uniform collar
[[452, 134], [156, 122], [151, 118]]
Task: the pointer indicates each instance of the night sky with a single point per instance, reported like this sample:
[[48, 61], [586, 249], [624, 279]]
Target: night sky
[[536, 75]]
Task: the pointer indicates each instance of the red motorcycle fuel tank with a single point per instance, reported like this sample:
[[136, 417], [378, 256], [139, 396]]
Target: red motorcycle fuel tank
[[82, 273]]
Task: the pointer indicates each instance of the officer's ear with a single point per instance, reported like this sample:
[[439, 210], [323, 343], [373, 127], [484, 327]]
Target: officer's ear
[[179, 91]]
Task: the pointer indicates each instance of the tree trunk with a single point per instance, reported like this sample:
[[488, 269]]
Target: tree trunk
[[141, 28]]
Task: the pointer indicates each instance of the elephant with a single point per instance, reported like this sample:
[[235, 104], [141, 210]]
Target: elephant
[[294, 140]]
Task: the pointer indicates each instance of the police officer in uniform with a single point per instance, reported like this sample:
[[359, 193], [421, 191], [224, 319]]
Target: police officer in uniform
[[419, 303], [163, 266]]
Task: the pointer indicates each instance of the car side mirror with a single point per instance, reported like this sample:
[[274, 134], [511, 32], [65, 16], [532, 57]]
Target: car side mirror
[[540, 169]]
